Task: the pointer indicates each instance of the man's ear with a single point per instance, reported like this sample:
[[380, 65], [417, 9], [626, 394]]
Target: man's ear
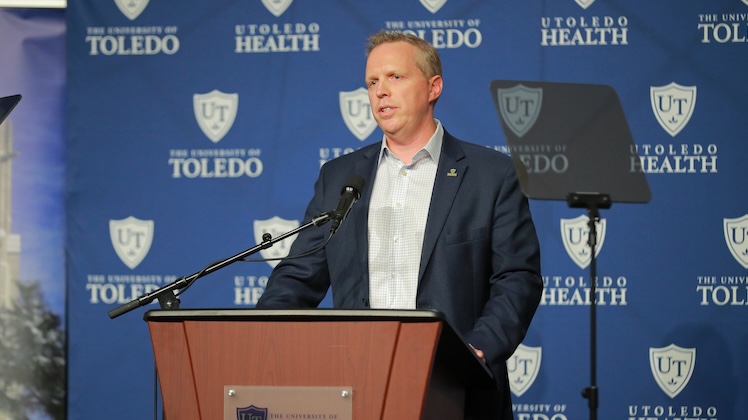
[[436, 83]]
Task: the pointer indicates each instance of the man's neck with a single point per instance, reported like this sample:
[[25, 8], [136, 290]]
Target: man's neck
[[406, 146]]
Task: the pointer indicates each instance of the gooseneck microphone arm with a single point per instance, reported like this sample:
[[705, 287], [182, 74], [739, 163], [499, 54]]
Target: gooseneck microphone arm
[[167, 295]]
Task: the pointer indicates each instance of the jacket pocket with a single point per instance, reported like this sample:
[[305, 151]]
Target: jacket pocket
[[467, 236]]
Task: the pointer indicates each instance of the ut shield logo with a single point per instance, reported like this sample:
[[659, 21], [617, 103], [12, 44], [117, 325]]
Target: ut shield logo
[[672, 367], [215, 113], [131, 239], [277, 7], [131, 8], [673, 106], [356, 112], [433, 6], [584, 4], [523, 368], [275, 226], [575, 234], [519, 107], [736, 237], [251, 413]]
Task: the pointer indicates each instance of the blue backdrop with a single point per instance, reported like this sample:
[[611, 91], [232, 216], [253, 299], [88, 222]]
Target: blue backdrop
[[194, 128]]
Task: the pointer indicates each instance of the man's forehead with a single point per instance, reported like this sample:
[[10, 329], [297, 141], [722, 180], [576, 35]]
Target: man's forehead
[[388, 60]]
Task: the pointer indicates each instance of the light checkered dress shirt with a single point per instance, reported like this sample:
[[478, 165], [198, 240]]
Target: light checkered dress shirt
[[397, 220]]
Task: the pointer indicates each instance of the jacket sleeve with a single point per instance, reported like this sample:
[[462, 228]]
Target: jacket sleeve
[[302, 282]]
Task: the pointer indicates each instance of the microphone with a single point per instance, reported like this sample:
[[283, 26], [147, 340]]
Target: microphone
[[348, 195]]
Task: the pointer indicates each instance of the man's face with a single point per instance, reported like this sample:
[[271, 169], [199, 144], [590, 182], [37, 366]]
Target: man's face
[[399, 93]]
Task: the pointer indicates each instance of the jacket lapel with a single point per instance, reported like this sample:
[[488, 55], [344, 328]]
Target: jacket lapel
[[449, 175], [367, 169]]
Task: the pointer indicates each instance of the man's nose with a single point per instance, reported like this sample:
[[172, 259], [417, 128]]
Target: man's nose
[[382, 90]]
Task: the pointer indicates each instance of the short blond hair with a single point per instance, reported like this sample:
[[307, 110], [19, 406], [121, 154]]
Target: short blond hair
[[427, 58]]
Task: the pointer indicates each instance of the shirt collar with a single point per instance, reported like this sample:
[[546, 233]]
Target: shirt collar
[[433, 147]]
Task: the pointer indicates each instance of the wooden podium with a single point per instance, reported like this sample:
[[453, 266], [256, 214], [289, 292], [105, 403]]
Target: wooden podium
[[398, 364]]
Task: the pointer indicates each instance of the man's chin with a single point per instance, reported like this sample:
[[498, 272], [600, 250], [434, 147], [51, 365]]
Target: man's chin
[[388, 126]]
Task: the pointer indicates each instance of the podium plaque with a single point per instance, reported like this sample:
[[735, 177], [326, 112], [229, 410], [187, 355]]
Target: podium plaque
[[243, 402]]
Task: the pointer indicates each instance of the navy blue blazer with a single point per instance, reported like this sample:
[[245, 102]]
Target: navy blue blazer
[[480, 263]]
